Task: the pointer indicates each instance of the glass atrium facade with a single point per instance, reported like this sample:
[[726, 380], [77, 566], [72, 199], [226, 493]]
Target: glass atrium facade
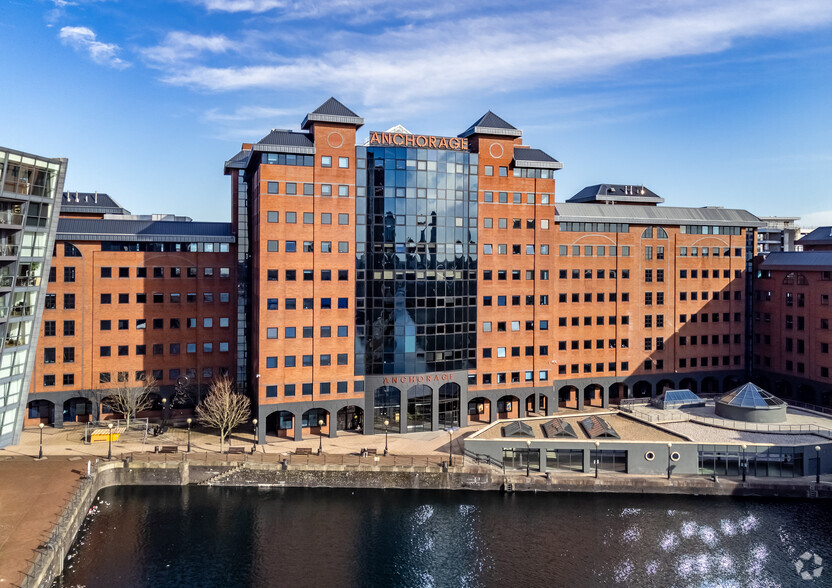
[[416, 248]]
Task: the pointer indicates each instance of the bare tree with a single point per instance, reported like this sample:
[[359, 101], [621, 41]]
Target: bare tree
[[223, 408], [130, 400]]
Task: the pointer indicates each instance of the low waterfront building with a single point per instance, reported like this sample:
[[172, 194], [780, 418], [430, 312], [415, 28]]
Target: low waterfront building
[[29, 204]]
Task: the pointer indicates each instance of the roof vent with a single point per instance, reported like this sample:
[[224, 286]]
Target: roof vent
[[95, 198]]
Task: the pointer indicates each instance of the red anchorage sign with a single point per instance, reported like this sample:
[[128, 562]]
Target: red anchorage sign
[[418, 379], [422, 141]]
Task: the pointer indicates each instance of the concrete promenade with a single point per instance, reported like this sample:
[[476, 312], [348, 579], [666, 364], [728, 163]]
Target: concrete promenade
[[33, 493]]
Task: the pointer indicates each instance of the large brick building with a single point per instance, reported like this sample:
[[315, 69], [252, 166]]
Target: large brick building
[[792, 319], [130, 297], [431, 281], [414, 282]]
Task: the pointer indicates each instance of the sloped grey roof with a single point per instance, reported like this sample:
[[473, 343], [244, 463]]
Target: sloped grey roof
[[239, 161], [285, 141], [491, 124], [90, 202], [616, 193], [820, 236], [332, 111], [789, 260], [635, 214], [83, 229], [535, 158]]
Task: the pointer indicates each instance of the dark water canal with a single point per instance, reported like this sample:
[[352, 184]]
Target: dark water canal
[[204, 536]]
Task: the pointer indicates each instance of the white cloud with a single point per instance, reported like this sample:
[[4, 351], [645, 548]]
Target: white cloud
[[256, 6], [494, 53], [83, 39], [247, 113], [822, 218], [181, 46]]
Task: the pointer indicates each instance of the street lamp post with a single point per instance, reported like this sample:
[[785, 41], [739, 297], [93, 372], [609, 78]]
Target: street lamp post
[[254, 435], [597, 446], [386, 424], [320, 436], [450, 447], [190, 420], [817, 473], [528, 457], [110, 441], [669, 447], [40, 450], [164, 415], [744, 463]]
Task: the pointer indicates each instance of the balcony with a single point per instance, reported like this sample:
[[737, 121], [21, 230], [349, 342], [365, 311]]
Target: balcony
[[9, 250], [27, 281], [6, 282], [10, 218]]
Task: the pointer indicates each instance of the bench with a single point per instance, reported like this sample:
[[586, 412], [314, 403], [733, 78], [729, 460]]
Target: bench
[[236, 450], [368, 451], [167, 449], [303, 451]]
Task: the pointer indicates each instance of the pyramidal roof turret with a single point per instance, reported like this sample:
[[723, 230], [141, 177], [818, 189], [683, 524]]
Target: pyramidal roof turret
[[332, 111], [491, 124]]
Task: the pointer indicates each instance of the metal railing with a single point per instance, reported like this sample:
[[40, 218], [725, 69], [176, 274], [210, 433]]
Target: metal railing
[[480, 458], [9, 250], [47, 566], [8, 217], [807, 406], [28, 281], [6, 281]]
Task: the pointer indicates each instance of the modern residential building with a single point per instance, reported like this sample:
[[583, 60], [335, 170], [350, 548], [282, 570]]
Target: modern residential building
[[130, 297], [778, 234], [791, 320], [28, 214], [430, 281]]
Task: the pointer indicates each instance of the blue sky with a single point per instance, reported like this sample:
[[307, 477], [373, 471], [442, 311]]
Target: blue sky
[[706, 102]]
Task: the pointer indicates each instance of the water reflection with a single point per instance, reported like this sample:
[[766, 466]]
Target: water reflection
[[152, 536]]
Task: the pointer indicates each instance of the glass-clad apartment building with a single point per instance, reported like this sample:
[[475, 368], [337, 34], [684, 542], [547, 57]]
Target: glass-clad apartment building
[[28, 218]]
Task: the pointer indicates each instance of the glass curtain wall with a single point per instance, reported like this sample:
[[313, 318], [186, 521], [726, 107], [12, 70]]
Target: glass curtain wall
[[416, 244]]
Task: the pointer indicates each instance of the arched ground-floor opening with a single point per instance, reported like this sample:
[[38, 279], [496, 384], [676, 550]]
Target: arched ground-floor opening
[[531, 403], [710, 385], [763, 382], [543, 405], [508, 407], [154, 410], [78, 410], [568, 397], [315, 421], [351, 418], [419, 408], [664, 385], [387, 403], [806, 393], [594, 395], [40, 411], [783, 389], [689, 384], [642, 389], [107, 412], [618, 391], [449, 405], [479, 410], [281, 423], [729, 383]]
